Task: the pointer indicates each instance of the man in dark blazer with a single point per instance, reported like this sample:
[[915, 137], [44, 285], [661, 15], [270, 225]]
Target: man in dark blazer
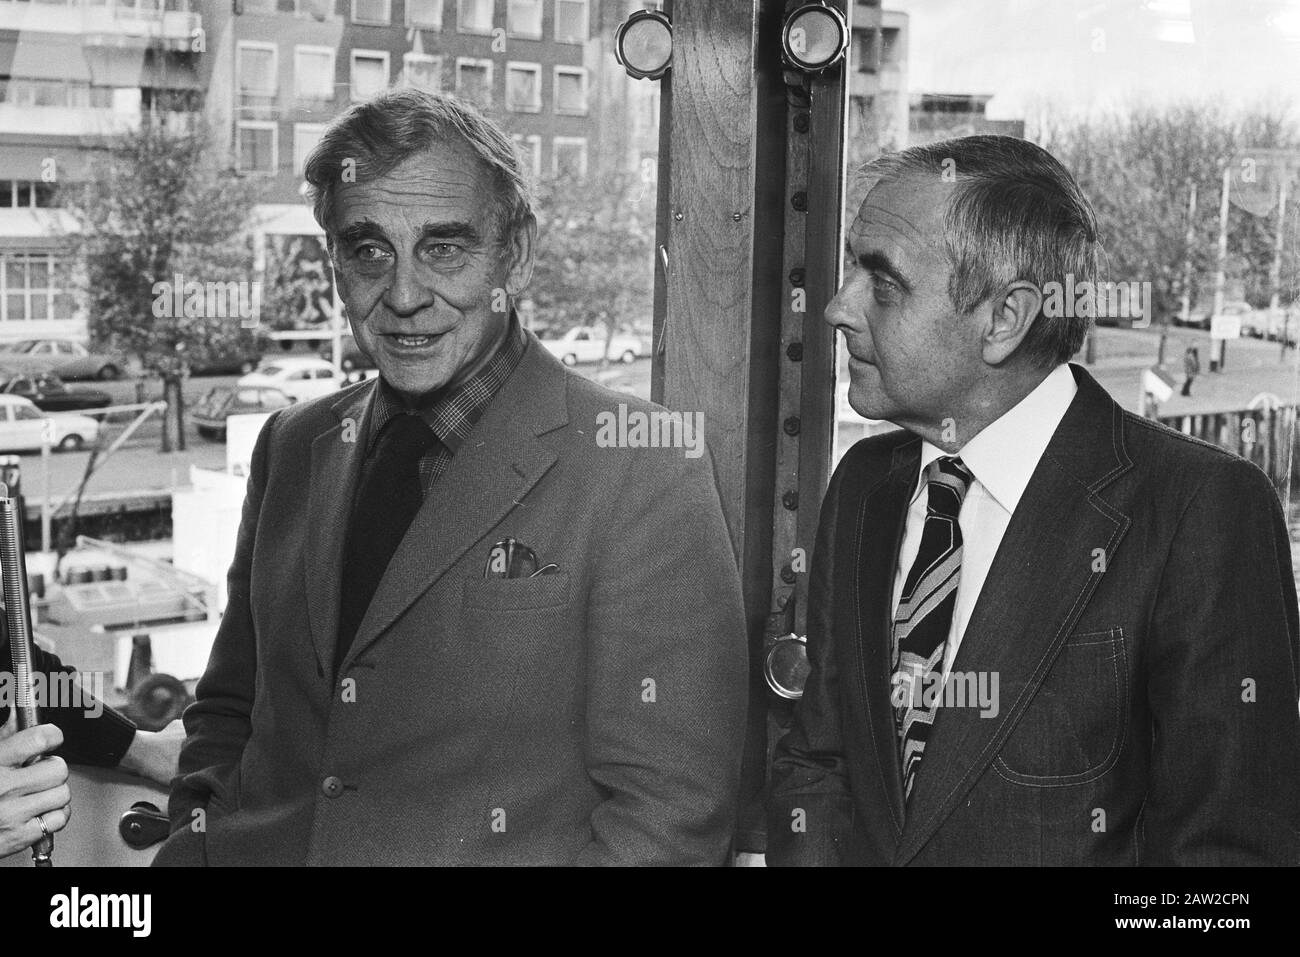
[[1103, 608], [581, 702]]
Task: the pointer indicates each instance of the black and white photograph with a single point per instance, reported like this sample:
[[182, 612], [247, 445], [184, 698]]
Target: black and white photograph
[[514, 434]]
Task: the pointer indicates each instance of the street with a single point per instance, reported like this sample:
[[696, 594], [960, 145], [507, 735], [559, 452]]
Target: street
[[1253, 367], [139, 466]]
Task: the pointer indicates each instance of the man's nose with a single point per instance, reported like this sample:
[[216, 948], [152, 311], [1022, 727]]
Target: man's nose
[[407, 294], [837, 313]]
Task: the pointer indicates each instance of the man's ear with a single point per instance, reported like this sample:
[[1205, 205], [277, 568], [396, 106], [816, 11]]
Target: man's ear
[[520, 250], [1009, 320]]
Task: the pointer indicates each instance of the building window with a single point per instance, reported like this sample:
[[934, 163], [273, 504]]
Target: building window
[[24, 193], [864, 51], [891, 51], [313, 73], [569, 156], [474, 16], [20, 91], [424, 13], [571, 25], [256, 68], [571, 90], [524, 87], [530, 153], [49, 93], [422, 71], [373, 12], [45, 194], [257, 147], [29, 289], [524, 19], [316, 9], [474, 80], [305, 138], [369, 73]]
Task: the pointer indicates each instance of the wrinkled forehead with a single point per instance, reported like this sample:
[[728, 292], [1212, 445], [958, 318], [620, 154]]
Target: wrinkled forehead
[[900, 213], [441, 182]]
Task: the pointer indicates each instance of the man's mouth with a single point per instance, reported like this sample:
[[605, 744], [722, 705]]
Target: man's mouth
[[412, 340]]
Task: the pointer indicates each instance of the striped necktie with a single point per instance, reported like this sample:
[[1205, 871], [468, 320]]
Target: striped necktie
[[924, 613]]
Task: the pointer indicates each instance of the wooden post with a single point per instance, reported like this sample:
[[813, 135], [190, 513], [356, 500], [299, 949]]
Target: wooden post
[[718, 302]]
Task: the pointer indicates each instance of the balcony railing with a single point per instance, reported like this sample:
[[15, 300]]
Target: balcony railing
[[171, 21]]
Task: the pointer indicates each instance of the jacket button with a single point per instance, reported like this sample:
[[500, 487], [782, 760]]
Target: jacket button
[[331, 787]]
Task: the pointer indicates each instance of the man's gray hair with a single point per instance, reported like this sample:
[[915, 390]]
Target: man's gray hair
[[374, 137], [1016, 214]]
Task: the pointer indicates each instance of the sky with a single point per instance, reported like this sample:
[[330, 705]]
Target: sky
[[1081, 55]]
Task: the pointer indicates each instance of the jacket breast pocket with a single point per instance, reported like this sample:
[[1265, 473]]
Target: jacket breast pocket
[[524, 635], [516, 594], [1074, 728]]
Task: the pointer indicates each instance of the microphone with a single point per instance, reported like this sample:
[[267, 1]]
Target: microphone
[[13, 578]]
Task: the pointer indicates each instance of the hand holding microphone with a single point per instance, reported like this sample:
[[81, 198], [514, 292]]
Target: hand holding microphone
[[35, 800]]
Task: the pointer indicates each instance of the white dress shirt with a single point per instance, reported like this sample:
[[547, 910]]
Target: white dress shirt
[[1002, 458]]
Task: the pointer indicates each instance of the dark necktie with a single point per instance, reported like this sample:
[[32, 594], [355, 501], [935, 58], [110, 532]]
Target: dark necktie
[[924, 613], [387, 500]]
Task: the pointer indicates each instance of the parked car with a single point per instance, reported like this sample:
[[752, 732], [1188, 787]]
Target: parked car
[[63, 357], [300, 377], [1285, 323], [587, 344], [50, 394], [352, 359], [1199, 318], [1272, 324], [24, 428], [234, 362], [210, 414]]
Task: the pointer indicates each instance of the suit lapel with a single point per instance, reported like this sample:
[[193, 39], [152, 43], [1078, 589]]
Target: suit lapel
[[1042, 578], [336, 456], [882, 513], [489, 476]]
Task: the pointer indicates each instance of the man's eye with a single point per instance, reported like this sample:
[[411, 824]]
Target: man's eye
[[369, 252], [445, 252], [886, 290]]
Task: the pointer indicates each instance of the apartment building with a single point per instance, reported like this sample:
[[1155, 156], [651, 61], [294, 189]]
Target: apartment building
[[73, 72], [942, 116], [284, 68], [268, 75], [878, 96]]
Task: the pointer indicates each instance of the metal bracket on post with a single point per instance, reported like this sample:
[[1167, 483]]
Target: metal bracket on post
[[815, 140]]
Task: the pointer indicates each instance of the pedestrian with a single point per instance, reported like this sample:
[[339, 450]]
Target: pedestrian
[[1191, 368]]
